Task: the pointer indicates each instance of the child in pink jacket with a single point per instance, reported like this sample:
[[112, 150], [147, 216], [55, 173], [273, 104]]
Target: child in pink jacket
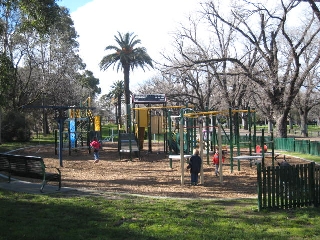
[[95, 144]]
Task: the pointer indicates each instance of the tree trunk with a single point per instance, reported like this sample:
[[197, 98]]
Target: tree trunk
[[46, 124], [0, 125], [245, 121], [270, 126], [290, 122], [126, 72], [117, 115], [304, 125], [282, 126], [119, 111]]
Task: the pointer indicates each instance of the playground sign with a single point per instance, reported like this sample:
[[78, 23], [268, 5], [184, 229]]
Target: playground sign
[[149, 98]]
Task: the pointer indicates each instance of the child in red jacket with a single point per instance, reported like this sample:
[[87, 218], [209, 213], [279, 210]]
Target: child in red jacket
[[215, 161]]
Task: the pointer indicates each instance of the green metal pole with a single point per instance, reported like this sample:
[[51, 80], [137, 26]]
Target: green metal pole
[[250, 123], [237, 135], [169, 130], [181, 146], [214, 137], [254, 129], [55, 142], [189, 133], [237, 132], [170, 134], [231, 140], [207, 134]]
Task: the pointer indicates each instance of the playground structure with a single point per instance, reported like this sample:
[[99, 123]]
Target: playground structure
[[158, 120], [192, 129], [79, 128], [184, 129], [77, 122], [169, 125], [144, 119], [233, 138]]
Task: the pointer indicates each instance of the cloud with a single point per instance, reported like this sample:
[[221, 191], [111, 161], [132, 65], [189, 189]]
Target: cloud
[[98, 21]]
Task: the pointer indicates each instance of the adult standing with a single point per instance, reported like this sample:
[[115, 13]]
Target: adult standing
[[195, 166]]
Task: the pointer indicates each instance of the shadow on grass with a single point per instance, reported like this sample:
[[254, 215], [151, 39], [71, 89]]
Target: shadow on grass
[[46, 217], [59, 216]]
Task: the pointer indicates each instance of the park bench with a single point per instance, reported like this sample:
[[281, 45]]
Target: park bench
[[128, 144], [28, 167]]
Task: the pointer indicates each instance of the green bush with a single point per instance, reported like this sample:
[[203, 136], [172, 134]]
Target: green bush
[[15, 127]]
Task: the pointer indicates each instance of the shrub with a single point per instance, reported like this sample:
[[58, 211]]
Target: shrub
[[15, 127]]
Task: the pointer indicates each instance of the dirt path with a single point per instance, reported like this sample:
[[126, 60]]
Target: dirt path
[[150, 175]]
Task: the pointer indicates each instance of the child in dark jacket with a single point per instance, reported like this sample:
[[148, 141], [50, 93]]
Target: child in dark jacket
[[195, 166]]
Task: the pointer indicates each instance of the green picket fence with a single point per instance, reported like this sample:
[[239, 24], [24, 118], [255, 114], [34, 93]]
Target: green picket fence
[[314, 148], [244, 141], [288, 187], [286, 144], [297, 145]]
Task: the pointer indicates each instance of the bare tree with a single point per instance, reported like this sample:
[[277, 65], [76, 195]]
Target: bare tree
[[200, 82], [225, 84], [307, 99], [277, 69], [314, 7]]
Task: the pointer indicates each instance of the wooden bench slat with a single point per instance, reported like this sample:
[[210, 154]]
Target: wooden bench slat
[[4, 164], [29, 167]]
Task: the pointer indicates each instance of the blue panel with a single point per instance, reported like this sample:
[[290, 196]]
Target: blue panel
[[72, 127]]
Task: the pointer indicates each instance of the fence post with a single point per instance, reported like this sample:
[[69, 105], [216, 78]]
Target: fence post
[[312, 184], [272, 149], [316, 182], [259, 186], [262, 146]]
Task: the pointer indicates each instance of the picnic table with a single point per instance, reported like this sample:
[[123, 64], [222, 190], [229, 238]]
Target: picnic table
[[260, 154], [251, 158]]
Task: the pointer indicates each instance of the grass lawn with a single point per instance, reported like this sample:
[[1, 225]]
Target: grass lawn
[[308, 157], [27, 216], [61, 216]]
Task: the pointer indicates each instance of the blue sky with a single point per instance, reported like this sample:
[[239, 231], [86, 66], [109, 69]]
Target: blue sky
[[153, 21], [98, 21], [73, 5]]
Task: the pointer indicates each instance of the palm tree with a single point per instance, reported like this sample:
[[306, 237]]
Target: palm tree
[[117, 90], [126, 56]]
